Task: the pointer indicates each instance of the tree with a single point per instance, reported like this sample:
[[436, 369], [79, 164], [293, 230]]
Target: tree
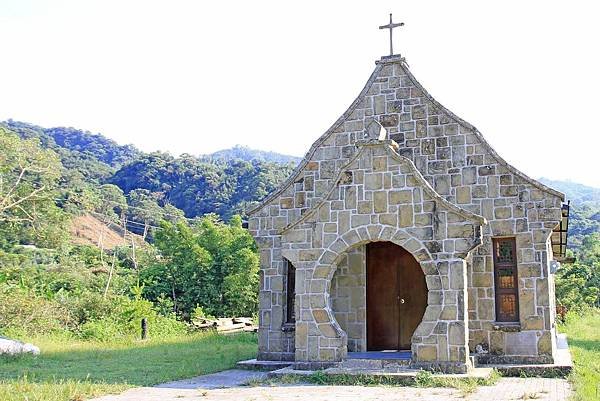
[[578, 284], [28, 178], [28, 188], [144, 209], [112, 203], [209, 264]]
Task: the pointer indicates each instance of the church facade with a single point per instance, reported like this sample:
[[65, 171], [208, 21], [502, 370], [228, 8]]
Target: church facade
[[402, 230]]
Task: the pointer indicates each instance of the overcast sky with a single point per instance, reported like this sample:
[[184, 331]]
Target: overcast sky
[[198, 76]]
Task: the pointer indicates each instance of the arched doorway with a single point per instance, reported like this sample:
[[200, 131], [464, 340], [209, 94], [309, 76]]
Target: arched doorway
[[396, 296]]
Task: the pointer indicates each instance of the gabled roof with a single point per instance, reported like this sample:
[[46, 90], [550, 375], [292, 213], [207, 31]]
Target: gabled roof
[[380, 64]]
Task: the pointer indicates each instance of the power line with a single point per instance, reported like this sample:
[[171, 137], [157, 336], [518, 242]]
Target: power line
[[132, 222], [192, 219]]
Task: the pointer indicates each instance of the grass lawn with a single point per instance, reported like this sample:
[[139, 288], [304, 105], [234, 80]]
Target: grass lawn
[[583, 335], [69, 370]]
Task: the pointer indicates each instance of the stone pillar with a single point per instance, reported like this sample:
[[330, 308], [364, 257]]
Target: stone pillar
[[441, 341]]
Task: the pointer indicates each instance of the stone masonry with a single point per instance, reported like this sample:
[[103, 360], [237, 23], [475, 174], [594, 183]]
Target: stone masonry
[[430, 184]]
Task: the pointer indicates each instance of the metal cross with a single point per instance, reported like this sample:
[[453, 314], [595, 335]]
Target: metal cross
[[391, 26]]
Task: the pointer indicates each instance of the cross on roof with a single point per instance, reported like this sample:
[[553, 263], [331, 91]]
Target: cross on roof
[[391, 26]]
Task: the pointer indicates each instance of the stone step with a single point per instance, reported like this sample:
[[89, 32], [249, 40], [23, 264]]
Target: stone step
[[403, 376], [253, 364], [359, 363]]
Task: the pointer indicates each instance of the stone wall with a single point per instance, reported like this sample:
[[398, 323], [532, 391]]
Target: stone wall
[[380, 196], [348, 298], [457, 162]]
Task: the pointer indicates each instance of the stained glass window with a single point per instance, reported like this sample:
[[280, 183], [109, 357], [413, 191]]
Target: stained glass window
[[504, 251], [505, 279], [290, 291]]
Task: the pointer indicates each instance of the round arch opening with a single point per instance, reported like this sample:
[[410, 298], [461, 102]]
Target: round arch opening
[[378, 296]]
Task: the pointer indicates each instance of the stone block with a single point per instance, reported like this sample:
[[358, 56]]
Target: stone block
[[544, 345], [380, 201], [442, 184], [389, 120], [503, 213], [457, 333], [457, 275], [379, 104], [373, 181], [360, 220], [503, 227], [485, 309], [469, 175], [486, 170], [320, 315], [389, 219], [460, 231], [405, 215], [482, 280], [449, 313], [463, 195], [286, 203], [423, 219], [418, 112], [533, 323], [365, 207], [428, 147], [522, 343], [398, 197], [427, 353]]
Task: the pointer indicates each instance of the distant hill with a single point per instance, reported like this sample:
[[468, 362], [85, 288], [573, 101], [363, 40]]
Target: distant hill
[[226, 182], [585, 208], [97, 145], [93, 155], [247, 154], [579, 194]]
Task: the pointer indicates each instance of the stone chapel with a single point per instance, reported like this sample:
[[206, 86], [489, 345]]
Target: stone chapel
[[403, 231]]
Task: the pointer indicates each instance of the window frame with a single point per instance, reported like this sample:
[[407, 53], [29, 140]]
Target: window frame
[[498, 291], [290, 293]]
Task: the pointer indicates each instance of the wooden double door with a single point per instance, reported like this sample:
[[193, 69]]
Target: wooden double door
[[396, 296]]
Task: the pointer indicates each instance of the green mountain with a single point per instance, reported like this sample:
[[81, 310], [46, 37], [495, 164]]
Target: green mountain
[[584, 218], [245, 153], [226, 182]]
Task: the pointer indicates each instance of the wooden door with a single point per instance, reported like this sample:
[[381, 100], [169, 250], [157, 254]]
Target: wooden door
[[396, 296]]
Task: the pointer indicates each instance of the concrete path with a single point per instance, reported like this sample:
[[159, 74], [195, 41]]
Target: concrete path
[[228, 386]]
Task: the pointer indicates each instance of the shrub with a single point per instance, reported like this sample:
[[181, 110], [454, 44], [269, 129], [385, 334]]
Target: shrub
[[23, 313], [124, 321]]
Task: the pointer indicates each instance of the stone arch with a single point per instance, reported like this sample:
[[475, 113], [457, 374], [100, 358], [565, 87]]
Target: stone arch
[[327, 265]]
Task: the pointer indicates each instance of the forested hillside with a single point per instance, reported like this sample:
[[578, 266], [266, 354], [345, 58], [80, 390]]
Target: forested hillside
[[71, 203], [51, 282], [226, 182], [584, 217], [247, 154]]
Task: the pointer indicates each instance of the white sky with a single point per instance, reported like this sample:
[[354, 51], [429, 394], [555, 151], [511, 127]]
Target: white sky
[[198, 76]]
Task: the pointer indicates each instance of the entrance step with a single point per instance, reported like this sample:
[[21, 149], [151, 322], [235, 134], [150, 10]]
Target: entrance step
[[376, 360], [253, 364], [357, 363], [404, 375]]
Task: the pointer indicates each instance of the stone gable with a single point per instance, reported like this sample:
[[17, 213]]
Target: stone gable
[[350, 183]]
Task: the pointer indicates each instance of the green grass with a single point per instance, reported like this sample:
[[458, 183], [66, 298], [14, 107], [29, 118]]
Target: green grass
[[70, 370], [583, 335], [423, 379]]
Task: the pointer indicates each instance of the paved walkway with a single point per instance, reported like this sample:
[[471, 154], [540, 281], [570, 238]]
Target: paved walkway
[[228, 386]]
